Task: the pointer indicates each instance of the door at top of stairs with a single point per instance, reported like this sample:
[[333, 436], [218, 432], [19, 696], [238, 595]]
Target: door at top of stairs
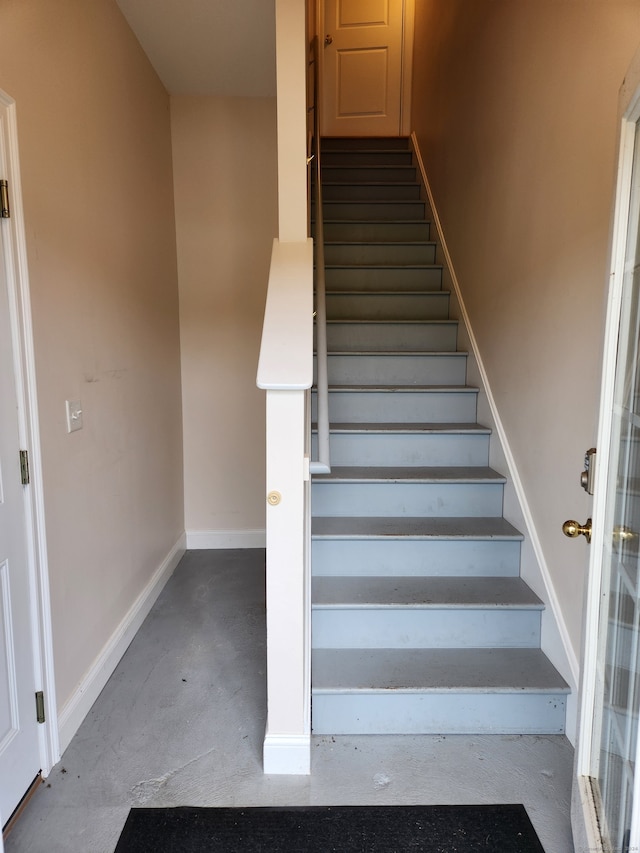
[[363, 52], [421, 622]]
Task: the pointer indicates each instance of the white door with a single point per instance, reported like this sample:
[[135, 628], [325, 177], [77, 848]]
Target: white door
[[607, 783], [19, 736], [362, 67]]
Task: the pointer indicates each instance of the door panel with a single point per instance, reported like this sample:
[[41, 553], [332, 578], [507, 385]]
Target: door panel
[[607, 780], [19, 737], [362, 60]]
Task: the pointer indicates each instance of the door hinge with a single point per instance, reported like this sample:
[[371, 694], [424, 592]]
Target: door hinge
[[24, 467], [40, 706], [5, 211]]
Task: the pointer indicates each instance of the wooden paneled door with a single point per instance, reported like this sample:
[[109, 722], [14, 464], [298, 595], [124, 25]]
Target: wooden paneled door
[[363, 66]]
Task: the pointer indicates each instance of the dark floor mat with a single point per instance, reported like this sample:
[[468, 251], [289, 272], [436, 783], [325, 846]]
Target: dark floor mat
[[331, 829]]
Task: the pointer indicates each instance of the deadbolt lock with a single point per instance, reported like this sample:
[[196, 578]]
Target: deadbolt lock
[[572, 529], [587, 477]]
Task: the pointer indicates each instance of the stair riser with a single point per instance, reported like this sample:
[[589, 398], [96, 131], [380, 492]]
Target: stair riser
[[366, 174], [406, 628], [424, 369], [374, 253], [386, 232], [367, 158], [415, 557], [370, 192], [439, 713], [400, 407], [433, 500], [437, 336], [364, 143], [372, 211], [371, 279], [406, 450], [387, 306]]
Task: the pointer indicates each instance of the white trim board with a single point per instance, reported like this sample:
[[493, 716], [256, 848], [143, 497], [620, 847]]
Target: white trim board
[[79, 704], [564, 658], [209, 540], [287, 754]]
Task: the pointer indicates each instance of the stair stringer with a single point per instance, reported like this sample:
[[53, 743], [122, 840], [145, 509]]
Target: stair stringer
[[534, 569]]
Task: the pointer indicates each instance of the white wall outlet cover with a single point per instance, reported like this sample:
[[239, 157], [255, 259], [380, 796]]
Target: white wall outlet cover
[[74, 415]]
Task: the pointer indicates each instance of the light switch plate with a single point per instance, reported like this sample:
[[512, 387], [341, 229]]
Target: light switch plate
[[74, 415]]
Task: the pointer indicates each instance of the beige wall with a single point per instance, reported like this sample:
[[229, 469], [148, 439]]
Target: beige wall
[[224, 153], [95, 148], [515, 108]]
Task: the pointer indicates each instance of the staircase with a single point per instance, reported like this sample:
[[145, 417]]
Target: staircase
[[420, 621]]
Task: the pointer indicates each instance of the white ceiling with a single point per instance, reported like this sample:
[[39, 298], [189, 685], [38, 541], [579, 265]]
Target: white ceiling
[[208, 47]]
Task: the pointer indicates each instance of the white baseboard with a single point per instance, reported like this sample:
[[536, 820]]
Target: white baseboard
[[79, 704], [212, 539], [287, 754]]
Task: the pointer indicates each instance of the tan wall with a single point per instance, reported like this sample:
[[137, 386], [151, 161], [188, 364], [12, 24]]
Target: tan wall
[[515, 107], [94, 137], [224, 152]]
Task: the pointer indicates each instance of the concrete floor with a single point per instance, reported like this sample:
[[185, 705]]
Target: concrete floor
[[182, 719]]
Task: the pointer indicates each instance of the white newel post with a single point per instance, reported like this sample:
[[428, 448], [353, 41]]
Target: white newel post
[[287, 740], [285, 371]]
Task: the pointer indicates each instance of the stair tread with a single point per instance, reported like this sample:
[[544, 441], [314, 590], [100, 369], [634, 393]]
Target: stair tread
[[374, 266], [374, 201], [434, 670], [334, 221], [423, 527], [445, 389], [413, 474], [379, 322], [409, 428], [388, 243], [359, 184], [423, 592], [456, 353]]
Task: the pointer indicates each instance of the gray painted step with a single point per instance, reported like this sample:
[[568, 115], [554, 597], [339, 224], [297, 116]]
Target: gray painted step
[[368, 174], [372, 157], [383, 404], [363, 143], [443, 691], [467, 547], [392, 279], [373, 231], [370, 191], [408, 491], [403, 368], [385, 336], [376, 211], [392, 253], [387, 305], [429, 612], [405, 444]]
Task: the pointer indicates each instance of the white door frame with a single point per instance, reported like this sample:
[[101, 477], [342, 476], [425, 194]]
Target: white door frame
[[24, 362], [408, 24], [585, 822]]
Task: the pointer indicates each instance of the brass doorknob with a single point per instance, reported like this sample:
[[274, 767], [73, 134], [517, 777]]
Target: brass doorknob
[[573, 529]]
